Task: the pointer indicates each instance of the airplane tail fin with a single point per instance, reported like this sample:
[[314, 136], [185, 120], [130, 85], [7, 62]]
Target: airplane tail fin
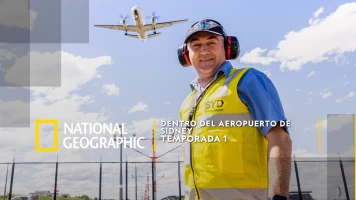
[[134, 36], [153, 35]]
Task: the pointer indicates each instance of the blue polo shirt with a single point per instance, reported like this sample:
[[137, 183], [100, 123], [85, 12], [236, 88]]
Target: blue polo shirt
[[258, 93]]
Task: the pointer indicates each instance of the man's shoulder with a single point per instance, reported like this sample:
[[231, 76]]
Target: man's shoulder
[[250, 71], [253, 75], [259, 94]]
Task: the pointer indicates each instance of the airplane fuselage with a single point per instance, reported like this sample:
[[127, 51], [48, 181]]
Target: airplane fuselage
[[139, 22], [139, 26]]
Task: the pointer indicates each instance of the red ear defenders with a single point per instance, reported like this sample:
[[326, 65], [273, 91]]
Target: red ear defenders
[[232, 51]]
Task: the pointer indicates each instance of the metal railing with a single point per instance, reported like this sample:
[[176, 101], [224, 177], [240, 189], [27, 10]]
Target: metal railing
[[327, 179]]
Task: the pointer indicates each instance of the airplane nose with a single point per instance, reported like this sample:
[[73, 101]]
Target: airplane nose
[[134, 8]]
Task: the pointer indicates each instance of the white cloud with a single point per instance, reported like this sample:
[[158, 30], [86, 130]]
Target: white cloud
[[111, 89], [314, 19], [255, 57], [6, 55], [298, 90], [324, 90], [268, 73], [294, 51], [75, 71], [336, 122], [323, 126], [346, 83], [142, 126], [16, 14], [14, 113], [324, 94], [167, 102], [139, 107], [348, 97], [333, 122], [48, 104], [310, 74], [309, 101], [304, 153]]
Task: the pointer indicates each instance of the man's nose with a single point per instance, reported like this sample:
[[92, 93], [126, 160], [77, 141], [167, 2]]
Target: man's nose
[[204, 49]]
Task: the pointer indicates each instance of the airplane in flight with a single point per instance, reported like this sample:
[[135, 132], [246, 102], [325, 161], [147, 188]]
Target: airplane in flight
[[140, 27]]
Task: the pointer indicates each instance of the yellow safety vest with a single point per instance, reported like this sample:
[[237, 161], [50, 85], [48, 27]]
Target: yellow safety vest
[[241, 161]]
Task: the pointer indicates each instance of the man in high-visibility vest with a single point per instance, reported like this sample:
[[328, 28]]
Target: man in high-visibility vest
[[237, 108]]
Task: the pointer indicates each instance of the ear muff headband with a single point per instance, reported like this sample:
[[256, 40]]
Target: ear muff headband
[[232, 51], [228, 47]]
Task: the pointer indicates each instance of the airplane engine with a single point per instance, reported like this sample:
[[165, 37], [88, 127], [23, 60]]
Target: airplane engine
[[154, 25], [153, 18], [123, 22], [125, 26]]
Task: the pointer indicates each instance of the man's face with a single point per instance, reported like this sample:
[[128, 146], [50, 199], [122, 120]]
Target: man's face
[[206, 52]]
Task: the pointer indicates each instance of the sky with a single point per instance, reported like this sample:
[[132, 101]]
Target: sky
[[98, 75]]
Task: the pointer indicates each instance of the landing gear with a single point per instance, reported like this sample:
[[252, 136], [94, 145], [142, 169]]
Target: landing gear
[[154, 31], [126, 32]]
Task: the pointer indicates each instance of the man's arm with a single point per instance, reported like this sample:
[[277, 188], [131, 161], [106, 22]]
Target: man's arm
[[279, 154], [259, 94]]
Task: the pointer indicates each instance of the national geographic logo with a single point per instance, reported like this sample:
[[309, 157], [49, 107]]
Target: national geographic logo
[[37, 136], [214, 106], [85, 135]]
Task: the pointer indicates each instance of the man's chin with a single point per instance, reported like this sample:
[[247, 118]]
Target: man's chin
[[206, 69]]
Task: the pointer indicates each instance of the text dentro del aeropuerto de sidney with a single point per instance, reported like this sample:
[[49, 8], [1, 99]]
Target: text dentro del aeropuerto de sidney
[[180, 131]]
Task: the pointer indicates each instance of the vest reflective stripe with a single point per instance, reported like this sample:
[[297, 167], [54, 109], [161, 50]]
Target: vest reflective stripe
[[233, 75], [241, 162]]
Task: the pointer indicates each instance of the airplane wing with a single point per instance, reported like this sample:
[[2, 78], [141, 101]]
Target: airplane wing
[[134, 36], [149, 27], [118, 27]]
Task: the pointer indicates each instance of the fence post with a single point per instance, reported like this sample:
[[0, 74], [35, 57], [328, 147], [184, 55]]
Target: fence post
[[180, 193], [55, 181], [297, 176], [135, 181], [100, 174], [12, 178], [121, 187], [344, 179], [7, 172], [153, 186], [126, 179]]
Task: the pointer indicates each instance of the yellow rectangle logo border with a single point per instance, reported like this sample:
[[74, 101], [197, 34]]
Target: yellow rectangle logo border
[[37, 139]]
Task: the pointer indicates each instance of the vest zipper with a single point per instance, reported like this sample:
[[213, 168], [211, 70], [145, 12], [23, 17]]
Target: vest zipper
[[191, 147]]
